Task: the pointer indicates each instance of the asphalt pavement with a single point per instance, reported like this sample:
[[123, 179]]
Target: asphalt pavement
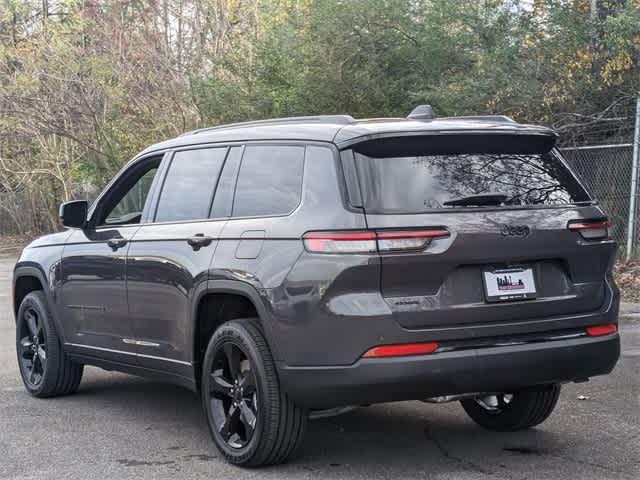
[[119, 427]]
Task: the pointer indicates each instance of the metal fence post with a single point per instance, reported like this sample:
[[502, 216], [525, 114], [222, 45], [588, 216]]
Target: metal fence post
[[634, 182]]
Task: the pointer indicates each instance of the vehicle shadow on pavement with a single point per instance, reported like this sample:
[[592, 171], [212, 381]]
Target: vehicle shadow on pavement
[[413, 434], [392, 437]]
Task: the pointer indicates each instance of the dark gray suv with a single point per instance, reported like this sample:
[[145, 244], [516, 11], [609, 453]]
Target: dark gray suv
[[297, 265]]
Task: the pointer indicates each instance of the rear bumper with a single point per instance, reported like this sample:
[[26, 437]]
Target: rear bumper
[[489, 369]]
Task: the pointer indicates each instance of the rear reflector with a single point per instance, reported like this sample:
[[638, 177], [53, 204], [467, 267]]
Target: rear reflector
[[601, 330], [591, 230], [401, 350], [368, 241]]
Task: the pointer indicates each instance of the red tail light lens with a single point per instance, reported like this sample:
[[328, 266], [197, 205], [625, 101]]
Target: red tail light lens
[[369, 241], [600, 330], [340, 242], [591, 229], [401, 350]]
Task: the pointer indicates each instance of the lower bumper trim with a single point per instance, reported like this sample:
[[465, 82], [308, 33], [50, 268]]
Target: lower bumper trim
[[490, 369]]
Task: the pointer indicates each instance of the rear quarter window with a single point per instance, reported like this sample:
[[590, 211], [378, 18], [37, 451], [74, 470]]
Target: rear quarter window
[[269, 181], [419, 183]]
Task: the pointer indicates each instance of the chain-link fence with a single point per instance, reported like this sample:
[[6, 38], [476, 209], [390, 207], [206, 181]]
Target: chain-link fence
[[606, 171]]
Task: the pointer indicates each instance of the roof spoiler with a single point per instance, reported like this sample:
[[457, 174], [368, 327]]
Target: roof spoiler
[[398, 144]]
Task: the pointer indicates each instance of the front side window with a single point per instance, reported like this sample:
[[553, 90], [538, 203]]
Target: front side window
[[124, 203], [188, 188], [269, 181]]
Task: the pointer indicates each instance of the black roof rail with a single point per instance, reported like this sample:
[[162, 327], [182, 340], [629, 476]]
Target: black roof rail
[[482, 118], [339, 119]]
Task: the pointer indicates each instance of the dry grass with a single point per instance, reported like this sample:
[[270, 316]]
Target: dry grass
[[627, 275]]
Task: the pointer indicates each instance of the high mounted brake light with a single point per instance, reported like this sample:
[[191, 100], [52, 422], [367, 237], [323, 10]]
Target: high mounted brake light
[[591, 229], [369, 241]]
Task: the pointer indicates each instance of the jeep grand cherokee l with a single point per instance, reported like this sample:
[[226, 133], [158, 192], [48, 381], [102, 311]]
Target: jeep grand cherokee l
[[287, 266]]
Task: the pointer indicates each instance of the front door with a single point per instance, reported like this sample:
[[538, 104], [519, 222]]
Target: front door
[[93, 296]]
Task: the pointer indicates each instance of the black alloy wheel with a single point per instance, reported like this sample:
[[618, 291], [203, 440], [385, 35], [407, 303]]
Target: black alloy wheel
[[32, 347], [496, 403], [510, 412], [45, 368], [251, 420], [234, 398]]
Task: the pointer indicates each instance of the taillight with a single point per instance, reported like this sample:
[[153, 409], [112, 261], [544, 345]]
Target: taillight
[[600, 330], [340, 242], [394, 240], [591, 229], [368, 241], [401, 350]]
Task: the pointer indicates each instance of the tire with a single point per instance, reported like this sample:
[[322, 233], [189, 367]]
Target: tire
[[52, 373], [266, 428], [526, 409]]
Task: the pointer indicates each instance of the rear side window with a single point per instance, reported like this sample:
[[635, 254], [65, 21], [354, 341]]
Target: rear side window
[[188, 188], [270, 181], [414, 184]]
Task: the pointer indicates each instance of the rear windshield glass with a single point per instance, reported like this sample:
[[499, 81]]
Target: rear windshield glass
[[413, 184]]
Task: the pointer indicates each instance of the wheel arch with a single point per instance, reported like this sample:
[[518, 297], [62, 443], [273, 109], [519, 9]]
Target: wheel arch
[[215, 289], [30, 278]]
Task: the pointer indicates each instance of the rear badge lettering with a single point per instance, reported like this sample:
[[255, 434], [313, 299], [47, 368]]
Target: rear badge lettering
[[515, 230]]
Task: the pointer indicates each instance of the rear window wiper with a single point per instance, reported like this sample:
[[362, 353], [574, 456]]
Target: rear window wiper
[[479, 199]]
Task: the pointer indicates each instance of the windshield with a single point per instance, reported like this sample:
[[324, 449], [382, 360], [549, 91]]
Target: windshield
[[414, 184]]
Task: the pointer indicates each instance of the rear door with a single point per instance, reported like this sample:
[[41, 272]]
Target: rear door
[[479, 234], [257, 245]]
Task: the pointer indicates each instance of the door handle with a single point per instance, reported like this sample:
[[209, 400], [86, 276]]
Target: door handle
[[116, 243], [198, 241]]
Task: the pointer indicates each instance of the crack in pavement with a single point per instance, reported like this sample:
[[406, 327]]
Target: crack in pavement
[[141, 463], [469, 465], [472, 466]]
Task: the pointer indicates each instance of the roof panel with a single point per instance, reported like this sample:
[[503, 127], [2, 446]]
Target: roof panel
[[338, 130]]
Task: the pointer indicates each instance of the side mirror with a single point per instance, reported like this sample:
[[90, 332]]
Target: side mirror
[[74, 214]]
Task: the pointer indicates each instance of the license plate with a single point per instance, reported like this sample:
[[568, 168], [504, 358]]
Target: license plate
[[509, 284]]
